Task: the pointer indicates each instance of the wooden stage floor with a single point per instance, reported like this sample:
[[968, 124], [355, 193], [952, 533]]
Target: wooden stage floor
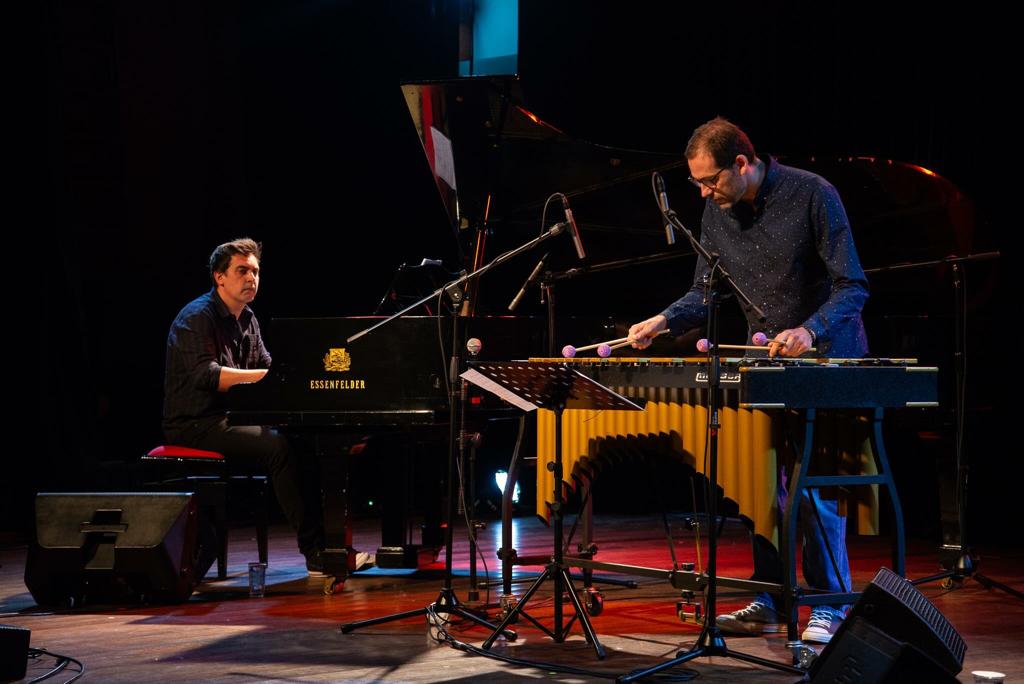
[[292, 635]]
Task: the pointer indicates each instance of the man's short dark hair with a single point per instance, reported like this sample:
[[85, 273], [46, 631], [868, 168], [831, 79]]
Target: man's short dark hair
[[221, 257], [721, 139]]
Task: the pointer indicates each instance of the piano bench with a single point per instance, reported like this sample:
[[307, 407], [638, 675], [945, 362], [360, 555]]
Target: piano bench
[[206, 473]]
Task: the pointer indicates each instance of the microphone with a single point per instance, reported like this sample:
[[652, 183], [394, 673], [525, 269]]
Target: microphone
[[576, 240], [529, 281], [670, 233]]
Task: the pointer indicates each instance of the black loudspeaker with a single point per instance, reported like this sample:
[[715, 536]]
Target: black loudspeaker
[[892, 634], [13, 652], [101, 548]]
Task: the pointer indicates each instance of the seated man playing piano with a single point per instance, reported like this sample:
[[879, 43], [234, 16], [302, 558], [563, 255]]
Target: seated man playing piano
[[784, 236], [214, 343]]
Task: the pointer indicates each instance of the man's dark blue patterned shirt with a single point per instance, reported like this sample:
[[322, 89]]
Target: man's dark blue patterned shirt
[[205, 337], [792, 252]]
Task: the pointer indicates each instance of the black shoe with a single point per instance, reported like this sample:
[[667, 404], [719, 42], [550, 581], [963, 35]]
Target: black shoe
[[315, 563]]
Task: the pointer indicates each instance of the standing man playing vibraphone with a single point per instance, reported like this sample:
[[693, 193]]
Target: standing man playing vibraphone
[[784, 236]]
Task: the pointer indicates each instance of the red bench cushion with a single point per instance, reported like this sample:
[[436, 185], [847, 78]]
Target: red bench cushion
[[171, 451]]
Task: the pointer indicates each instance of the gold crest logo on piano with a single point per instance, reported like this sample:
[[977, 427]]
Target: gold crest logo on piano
[[337, 361]]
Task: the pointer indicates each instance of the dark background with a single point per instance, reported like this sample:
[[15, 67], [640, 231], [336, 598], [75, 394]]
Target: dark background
[[159, 129]]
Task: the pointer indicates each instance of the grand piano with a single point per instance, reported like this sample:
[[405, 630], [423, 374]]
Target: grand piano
[[495, 164], [388, 390]]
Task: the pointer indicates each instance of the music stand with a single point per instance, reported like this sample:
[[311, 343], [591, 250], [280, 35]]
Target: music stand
[[556, 387]]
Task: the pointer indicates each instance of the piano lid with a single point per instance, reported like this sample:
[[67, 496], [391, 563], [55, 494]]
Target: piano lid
[[899, 212], [495, 162]]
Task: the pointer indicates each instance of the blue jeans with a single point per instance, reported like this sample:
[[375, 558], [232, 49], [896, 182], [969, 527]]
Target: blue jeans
[[817, 567]]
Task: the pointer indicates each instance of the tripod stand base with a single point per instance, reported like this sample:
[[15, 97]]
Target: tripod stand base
[[560, 576], [963, 568], [446, 602], [711, 644]]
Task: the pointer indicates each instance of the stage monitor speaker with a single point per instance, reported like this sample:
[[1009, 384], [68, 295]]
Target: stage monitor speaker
[[114, 547], [13, 652], [892, 634]]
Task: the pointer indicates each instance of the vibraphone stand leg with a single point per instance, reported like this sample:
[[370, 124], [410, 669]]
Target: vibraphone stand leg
[[801, 480]]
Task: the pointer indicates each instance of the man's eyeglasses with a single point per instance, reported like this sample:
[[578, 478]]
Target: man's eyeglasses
[[709, 183]]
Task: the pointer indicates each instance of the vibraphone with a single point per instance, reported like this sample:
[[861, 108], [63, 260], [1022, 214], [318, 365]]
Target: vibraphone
[[754, 391], [676, 392]]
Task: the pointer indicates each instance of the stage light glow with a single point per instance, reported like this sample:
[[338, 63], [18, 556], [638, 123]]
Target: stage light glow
[[500, 479]]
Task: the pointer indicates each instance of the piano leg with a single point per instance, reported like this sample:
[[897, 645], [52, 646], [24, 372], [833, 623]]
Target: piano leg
[[417, 464], [339, 556]]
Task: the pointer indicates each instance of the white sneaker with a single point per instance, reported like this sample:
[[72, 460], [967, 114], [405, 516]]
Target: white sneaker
[[821, 627], [364, 560]]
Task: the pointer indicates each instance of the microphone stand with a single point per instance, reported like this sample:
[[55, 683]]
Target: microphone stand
[[956, 554], [447, 602], [710, 642]]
